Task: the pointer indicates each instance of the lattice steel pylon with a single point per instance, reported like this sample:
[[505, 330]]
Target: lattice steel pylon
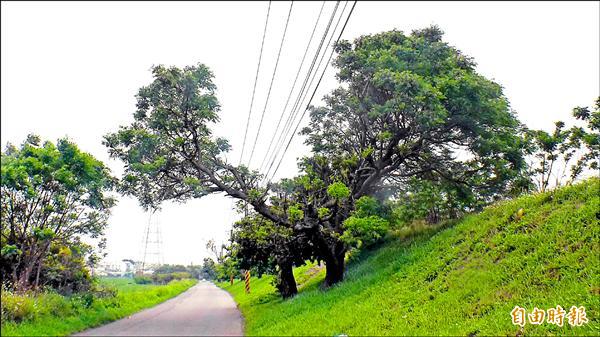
[[152, 244]]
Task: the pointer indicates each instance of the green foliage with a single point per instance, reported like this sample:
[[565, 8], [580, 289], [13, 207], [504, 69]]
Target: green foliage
[[263, 293], [456, 279], [227, 268], [323, 212], [566, 152], [170, 268], [254, 195], [295, 213], [367, 224], [17, 307], [171, 133], [548, 150], [142, 280], [51, 196], [432, 201], [65, 267], [159, 278], [407, 105], [9, 251], [367, 206], [48, 313], [267, 247], [361, 231], [208, 270], [589, 136], [415, 96], [338, 191]]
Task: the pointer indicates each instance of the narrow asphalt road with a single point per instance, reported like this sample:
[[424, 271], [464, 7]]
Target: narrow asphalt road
[[203, 310]]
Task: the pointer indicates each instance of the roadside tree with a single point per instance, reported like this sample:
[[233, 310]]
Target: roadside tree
[[52, 195]]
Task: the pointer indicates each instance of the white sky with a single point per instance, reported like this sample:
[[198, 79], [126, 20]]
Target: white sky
[[72, 69]]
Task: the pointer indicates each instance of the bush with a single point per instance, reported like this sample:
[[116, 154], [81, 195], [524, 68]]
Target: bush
[[181, 275], [49, 303], [368, 223], [103, 291], [432, 201], [162, 278], [364, 231], [142, 280], [83, 300], [168, 277], [17, 307]]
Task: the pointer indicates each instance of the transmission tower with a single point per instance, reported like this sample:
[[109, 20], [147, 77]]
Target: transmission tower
[[152, 243]]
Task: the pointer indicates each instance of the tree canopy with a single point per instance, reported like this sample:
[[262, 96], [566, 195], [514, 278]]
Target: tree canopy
[[51, 196], [407, 106]]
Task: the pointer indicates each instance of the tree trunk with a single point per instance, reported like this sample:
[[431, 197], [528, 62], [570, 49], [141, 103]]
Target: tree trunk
[[37, 274], [40, 261], [24, 277], [334, 270], [335, 264], [286, 282]]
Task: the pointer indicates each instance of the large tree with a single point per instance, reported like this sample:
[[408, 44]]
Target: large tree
[[407, 106], [51, 196], [274, 247]]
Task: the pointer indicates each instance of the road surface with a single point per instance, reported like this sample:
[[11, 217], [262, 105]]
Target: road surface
[[203, 310]]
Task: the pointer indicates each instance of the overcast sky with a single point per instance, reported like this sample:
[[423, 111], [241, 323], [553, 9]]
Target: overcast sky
[[72, 69]]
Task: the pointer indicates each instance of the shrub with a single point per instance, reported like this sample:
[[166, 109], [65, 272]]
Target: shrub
[[49, 303], [164, 278], [181, 275], [142, 280], [368, 223], [364, 231], [17, 307]]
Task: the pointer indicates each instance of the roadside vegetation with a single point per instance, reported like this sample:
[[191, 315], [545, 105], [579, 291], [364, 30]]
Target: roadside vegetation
[[414, 152], [412, 132], [49, 313], [458, 278]]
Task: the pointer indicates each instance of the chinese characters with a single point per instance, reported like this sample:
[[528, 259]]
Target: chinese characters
[[575, 317]]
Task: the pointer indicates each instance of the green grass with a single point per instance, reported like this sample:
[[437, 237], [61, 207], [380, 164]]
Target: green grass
[[454, 280], [125, 285], [52, 314]]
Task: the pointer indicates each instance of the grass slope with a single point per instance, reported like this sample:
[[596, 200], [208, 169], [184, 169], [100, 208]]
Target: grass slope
[[55, 315], [460, 280]]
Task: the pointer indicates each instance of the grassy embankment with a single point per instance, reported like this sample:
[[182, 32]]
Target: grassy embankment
[[53, 314], [463, 279]]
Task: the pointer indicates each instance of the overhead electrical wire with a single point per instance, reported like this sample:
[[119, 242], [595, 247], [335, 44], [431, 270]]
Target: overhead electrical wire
[[304, 92], [255, 81], [292, 89], [271, 84], [311, 71], [314, 91]]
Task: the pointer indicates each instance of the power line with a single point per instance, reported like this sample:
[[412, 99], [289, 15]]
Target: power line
[[302, 96], [294, 112], [293, 87], [271, 85], [314, 91], [255, 80], [299, 98]]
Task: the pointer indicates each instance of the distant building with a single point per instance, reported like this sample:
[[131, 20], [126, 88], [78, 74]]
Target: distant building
[[113, 269]]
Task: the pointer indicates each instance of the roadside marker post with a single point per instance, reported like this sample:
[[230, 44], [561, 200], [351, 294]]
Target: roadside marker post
[[247, 279]]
